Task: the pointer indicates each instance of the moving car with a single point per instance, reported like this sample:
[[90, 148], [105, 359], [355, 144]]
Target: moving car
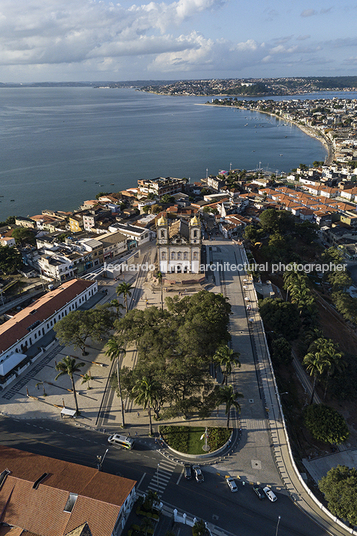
[[259, 492], [232, 484], [198, 473], [121, 441], [187, 471], [270, 494]]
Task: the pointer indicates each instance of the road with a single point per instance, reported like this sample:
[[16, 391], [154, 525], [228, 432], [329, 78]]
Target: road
[[240, 513]]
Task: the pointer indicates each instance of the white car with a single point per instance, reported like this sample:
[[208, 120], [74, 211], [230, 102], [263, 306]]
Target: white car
[[232, 484], [198, 473], [270, 494]]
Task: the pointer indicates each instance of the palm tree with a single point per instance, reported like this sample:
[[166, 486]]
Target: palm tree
[[124, 289], [114, 349], [226, 357], [230, 398], [159, 277], [316, 363], [326, 349], [69, 366], [144, 393], [86, 378], [117, 306]]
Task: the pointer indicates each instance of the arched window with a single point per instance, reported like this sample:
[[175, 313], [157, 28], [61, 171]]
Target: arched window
[[162, 233], [163, 255], [195, 256], [173, 256], [185, 256], [179, 256], [195, 233]]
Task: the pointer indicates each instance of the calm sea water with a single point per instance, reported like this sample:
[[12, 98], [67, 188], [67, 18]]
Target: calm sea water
[[60, 146]]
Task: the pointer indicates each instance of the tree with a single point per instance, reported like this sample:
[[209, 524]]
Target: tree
[[114, 350], [226, 357], [230, 398], [281, 351], [87, 379], [326, 424], [340, 489], [117, 306], [167, 198], [200, 529], [73, 329], [323, 357], [144, 393], [125, 290], [78, 325], [281, 317], [69, 366], [10, 259], [22, 236]]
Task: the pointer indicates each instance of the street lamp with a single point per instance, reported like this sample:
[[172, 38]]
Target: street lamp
[[101, 460], [277, 526]]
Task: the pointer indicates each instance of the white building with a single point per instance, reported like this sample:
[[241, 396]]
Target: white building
[[179, 245], [28, 326]]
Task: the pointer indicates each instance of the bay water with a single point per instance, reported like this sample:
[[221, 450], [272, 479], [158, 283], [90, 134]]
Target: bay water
[[60, 146]]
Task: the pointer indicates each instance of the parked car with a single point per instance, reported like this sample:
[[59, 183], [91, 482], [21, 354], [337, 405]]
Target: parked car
[[270, 494], [232, 484], [259, 492], [198, 473], [187, 471]]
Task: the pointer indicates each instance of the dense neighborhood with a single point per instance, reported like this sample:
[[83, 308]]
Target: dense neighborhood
[[145, 275]]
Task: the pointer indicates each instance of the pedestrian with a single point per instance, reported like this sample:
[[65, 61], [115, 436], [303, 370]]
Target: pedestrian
[[138, 414], [129, 434]]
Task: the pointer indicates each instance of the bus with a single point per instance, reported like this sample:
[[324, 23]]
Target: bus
[[121, 441]]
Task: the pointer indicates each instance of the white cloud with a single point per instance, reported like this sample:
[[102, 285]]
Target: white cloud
[[308, 13]]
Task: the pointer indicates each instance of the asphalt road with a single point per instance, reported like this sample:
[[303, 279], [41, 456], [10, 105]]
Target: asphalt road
[[239, 513]]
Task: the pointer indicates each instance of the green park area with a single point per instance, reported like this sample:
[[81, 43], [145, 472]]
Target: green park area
[[191, 439]]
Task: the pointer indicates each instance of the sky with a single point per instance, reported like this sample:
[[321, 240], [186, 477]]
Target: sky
[[99, 40]]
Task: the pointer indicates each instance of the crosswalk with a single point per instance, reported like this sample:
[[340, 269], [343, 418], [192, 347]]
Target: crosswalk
[[162, 476]]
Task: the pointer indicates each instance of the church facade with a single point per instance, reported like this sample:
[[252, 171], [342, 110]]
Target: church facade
[[179, 245]]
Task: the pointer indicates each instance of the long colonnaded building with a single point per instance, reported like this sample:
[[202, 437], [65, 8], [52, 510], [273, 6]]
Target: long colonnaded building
[[26, 328]]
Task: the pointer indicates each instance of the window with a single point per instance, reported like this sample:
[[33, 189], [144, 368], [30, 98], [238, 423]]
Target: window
[[195, 234], [185, 256], [173, 256], [162, 234], [195, 256], [179, 256], [163, 255]]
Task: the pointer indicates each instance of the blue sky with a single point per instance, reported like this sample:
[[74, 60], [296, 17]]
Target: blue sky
[[91, 40]]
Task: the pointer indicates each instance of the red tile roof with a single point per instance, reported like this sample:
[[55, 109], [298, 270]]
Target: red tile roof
[[41, 510], [16, 327]]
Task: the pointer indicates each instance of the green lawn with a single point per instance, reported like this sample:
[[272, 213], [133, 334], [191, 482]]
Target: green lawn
[[187, 439]]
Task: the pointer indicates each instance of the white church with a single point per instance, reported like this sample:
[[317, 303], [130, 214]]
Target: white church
[[179, 245]]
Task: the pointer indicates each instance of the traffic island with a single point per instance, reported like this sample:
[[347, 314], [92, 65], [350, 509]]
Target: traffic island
[[192, 441]]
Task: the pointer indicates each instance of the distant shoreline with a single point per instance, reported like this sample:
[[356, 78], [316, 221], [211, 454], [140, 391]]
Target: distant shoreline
[[309, 131]]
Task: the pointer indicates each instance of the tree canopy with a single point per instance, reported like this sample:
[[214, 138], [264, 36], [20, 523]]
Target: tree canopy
[[175, 347], [10, 259], [326, 424], [281, 317], [340, 489]]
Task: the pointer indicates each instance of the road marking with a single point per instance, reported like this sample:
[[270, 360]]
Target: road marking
[[179, 478], [141, 479]]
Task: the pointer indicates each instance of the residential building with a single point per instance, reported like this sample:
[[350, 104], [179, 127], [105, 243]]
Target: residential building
[[136, 236], [114, 244], [27, 327], [161, 186], [48, 497]]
